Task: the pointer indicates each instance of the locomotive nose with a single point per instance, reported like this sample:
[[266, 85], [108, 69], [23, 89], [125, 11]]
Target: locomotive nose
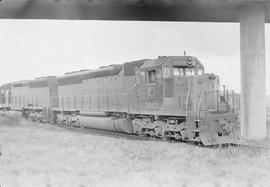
[[219, 131]]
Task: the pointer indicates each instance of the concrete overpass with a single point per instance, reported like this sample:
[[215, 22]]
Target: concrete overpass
[[252, 15]]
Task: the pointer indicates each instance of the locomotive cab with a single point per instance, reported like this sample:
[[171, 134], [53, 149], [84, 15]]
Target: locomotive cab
[[175, 84], [178, 89], [187, 81], [179, 78]]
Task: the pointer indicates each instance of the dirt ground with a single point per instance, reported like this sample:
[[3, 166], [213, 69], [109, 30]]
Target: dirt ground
[[44, 155]]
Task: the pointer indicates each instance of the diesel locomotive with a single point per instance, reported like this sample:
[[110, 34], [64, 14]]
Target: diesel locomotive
[[170, 97]]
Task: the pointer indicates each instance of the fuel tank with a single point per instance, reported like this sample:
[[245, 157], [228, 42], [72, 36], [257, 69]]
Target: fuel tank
[[107, 123]]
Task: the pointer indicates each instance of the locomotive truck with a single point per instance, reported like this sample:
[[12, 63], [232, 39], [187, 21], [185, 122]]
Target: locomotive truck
[[170, 97]]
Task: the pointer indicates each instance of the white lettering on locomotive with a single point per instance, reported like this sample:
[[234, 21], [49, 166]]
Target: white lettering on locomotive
[[151, 105]]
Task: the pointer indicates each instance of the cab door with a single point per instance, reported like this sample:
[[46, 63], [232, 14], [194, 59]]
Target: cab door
[[150, 91]]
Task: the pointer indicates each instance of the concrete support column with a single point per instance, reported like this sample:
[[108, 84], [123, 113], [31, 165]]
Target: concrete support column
[[253, 99]]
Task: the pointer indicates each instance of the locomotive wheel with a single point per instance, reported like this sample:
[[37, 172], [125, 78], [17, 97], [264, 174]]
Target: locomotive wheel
[[145, 132], [68, 122], [39, 119], [177, 136], [159, 131], [58, 120], [34, 118], [141, 133], [137, 129], [164, 138], [152, 133]]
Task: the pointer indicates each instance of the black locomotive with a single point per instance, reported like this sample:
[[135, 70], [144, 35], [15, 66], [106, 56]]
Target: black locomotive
[[167, 97]]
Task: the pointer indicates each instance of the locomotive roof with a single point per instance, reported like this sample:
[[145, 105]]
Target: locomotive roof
[[41, 82], [171, 61], [74, 74], [6, 86], [129, 67], [21, 83], [105, 71], [77, 77]]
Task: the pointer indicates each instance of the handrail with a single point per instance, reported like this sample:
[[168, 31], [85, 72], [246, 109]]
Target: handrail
[[188, 94], [200, 100]]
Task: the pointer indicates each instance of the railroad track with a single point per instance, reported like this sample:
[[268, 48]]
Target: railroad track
[[115, 134]]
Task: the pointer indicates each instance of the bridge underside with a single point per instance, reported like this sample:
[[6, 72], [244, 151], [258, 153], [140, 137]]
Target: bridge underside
[[143, 10], [252, 14]]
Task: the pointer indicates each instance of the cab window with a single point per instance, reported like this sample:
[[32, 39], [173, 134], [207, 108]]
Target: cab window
[[151, 76], [178, 71], [189, 71], [166, 72], [182, 71], [158, 75]]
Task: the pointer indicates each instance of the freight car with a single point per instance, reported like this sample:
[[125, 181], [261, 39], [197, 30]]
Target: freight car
[[167, 97]]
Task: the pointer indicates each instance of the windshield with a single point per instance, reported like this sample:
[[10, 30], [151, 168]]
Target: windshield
[[182, 71], [189, 71]]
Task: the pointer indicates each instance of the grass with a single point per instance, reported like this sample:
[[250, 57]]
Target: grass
[[43, 155]]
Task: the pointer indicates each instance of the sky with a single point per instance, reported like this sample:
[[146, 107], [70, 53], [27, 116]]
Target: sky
[[36, 48]]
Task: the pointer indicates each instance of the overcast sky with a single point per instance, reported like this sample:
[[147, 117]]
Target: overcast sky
[[34, 48]]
